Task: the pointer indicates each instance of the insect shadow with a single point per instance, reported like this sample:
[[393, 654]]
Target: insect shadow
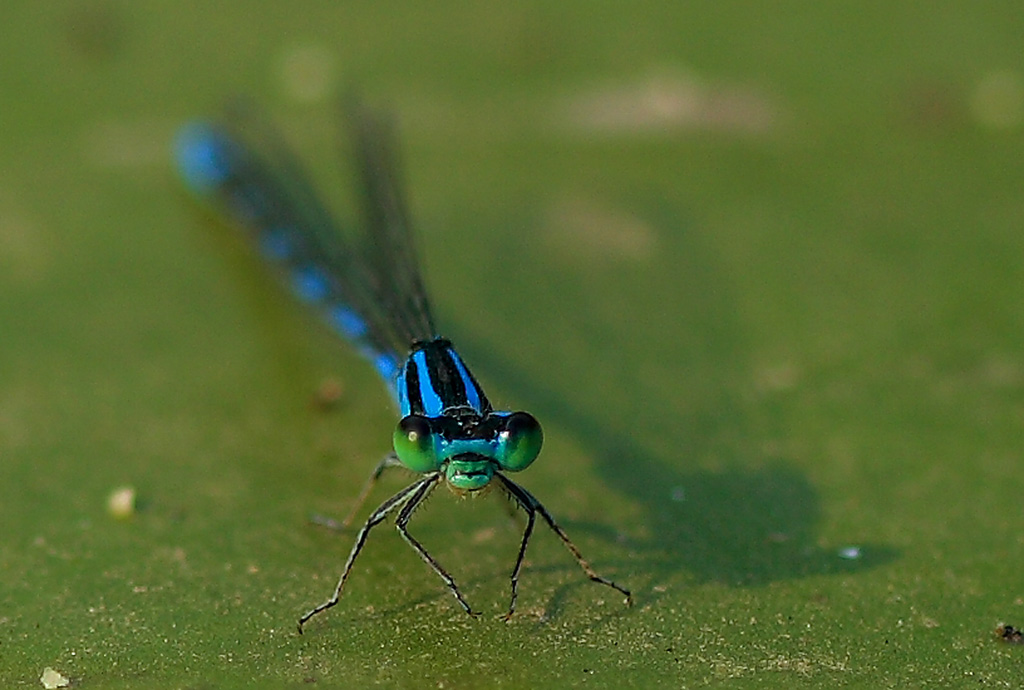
[[752, 520]]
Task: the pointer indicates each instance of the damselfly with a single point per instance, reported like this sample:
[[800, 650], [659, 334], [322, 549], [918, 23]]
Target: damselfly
[[369, 289]]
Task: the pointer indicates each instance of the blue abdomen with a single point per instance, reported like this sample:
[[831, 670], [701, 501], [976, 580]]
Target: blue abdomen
[[216, 166]]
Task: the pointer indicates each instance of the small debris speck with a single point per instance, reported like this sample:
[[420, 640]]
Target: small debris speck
[[121, 502], [53, 679], [329, 394], [1010, 634], [850, 553]]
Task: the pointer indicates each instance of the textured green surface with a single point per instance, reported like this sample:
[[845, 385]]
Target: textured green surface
[[759, 276]]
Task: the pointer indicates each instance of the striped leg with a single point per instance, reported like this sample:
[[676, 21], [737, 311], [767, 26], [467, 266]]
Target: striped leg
[[402, 498], [531, 505], [389, 460], [402, 522]]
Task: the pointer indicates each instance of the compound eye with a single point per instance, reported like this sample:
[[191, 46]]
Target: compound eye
[[414, 444], [520, 442]]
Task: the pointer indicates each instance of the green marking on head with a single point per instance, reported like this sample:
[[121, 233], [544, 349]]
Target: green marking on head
[[469, 472]]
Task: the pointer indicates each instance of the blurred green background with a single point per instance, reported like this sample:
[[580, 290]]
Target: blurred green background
[[758, 272]]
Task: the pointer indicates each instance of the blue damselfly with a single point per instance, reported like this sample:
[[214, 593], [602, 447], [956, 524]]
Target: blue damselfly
[[370, 291]]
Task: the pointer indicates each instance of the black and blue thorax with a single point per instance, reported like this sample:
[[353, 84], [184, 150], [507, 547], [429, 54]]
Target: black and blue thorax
[[435, 382], [448, 424]]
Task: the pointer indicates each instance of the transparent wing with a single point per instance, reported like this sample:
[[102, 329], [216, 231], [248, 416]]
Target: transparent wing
[[390, 246], [367, 284]]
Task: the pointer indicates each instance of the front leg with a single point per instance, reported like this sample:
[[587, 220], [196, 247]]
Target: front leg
[[402, 522], [402, 498], [531, 505], [531, 518]]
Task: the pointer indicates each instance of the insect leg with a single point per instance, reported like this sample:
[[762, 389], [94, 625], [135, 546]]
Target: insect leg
[[389, 460], [401, 523], [401, 498], [530, 504], [531, 516]]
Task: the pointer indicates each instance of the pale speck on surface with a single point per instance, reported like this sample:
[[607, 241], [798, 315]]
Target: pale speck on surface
[[589, 229], [121, 502], [53, 679], [671, 100], [308, 73], [998, 100]]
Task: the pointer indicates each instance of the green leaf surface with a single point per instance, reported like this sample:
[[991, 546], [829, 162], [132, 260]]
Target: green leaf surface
[[758, 273]]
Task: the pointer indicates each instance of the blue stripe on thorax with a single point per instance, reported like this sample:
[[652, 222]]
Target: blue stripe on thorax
[[474, 394], [430, 393], [435, 380]]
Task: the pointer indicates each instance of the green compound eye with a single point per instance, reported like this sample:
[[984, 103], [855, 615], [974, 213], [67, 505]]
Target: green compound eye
[[520, 442], [414, 444]]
